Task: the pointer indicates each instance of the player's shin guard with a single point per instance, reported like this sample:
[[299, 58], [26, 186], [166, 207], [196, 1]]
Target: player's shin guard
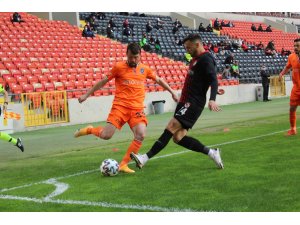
[[293, 120], [133, 147], [7, 137], [162, 141], [193, 144]]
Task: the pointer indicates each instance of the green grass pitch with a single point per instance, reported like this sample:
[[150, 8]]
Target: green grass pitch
[[60, 173]]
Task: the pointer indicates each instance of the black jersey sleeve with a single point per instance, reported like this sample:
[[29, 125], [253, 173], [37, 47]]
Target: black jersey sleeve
[[211, 72]]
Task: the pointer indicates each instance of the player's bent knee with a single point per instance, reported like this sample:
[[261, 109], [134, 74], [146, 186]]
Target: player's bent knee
[[177, 138], [139, 137]]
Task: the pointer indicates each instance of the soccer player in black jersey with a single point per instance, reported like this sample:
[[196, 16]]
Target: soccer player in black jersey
[[201, 76]]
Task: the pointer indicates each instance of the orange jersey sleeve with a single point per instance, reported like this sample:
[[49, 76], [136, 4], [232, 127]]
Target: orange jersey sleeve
[[130, 84]]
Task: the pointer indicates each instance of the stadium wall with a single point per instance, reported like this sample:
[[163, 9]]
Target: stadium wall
[[70, 17], [96, 109], [198, 20], [204, 16], [184, 19]]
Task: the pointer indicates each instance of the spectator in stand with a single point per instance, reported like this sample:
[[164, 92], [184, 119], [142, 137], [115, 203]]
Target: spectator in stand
[[229, 59], [209, 45], [151, 40], [253, 27], [268, 29], [175, 29], [87, 32], [201, 28], [265, 79], [209, 28], [244, 47], [215, 48], [260, 28], [223, 24], [109, 31], [100, 15], [112, 23], [127, 31], [226, 73], [222, 51], [260, 46], [144, 43], [235, 72], [91, 20], [159, 24], [157, 46], [271, 45], [178, 23], [125, 23], [217, 24], [149, 27], [230, 24], [285, 52], [205, 46], [270, 49], [177, 41], [16, 18]]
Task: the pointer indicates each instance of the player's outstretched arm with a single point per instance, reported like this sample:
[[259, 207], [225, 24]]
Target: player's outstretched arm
[[166, 86], [96, 87]]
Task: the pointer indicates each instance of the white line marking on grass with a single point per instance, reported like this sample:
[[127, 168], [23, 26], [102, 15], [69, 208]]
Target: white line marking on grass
[[60, 188], [41, 182], [99, 204]]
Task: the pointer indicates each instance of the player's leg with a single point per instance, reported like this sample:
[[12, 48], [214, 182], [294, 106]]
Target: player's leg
[[160, 144], [137, 121], [8, 138], [188, 116], [294, 102], [193, 144], [139, 132], [293, 118], [114, 121]]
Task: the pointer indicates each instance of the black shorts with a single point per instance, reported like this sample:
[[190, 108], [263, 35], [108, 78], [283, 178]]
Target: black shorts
[[187, 114]]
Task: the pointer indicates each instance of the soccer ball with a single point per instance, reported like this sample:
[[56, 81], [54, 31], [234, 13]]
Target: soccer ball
[[109, 167]]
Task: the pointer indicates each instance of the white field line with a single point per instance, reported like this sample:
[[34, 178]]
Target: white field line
[[158, 157], [62, 187], [97, 204]]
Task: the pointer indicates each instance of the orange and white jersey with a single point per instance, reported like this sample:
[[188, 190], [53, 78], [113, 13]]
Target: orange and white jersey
[[294, 63], [130, 84]]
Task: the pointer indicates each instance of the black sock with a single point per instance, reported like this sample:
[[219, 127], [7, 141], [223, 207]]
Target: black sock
[[193, 144], [162, 141]]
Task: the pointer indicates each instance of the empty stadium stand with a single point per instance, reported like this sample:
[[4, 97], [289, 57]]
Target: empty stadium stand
[[41, 55]]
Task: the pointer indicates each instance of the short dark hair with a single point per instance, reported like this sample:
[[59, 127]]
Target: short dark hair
[[192, 37], [134, 48], [297, 40]]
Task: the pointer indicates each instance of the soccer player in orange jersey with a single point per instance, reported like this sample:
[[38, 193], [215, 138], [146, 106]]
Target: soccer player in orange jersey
[[128, 103], [294, 64]]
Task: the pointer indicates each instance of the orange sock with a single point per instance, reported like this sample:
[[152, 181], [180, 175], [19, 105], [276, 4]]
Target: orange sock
[[293, 120], [95, 131], [133, 147]]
